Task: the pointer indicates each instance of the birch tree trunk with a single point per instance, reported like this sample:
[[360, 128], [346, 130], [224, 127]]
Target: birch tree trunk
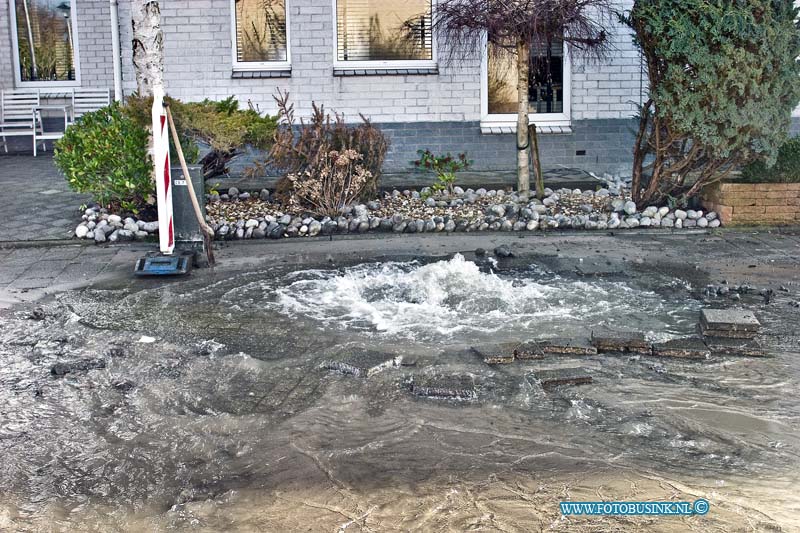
[[523, 139], [148, 46]]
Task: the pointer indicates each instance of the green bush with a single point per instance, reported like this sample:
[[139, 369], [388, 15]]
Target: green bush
[[105, 154], [723, 80], [785, 170], [221, 125]]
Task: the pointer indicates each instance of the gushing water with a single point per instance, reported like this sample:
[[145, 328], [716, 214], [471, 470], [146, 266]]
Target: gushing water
[[457, 299]]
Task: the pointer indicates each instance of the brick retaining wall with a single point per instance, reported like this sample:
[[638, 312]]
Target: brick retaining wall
[[754, 203]]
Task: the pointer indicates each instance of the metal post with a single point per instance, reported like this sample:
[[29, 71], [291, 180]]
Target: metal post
[[115, 51]]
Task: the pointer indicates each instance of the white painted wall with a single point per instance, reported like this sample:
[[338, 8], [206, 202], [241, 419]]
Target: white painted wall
[[198, 65]]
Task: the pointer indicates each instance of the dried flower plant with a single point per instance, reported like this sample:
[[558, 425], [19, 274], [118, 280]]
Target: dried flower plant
[[335, 180]]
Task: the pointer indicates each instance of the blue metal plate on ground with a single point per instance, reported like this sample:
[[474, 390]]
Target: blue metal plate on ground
[[163, 265]]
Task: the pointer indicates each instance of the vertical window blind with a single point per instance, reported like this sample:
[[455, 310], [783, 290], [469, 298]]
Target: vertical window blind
[[261, 31], [383, 30]]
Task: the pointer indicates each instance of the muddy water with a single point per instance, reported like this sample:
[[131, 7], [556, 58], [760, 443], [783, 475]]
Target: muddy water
[[226, 421]]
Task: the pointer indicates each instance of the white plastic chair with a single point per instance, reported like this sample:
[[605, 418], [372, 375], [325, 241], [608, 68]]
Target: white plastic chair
[[18, 115], [88, 100]]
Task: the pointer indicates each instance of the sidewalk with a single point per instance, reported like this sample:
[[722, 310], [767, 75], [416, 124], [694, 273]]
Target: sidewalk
[[37, 203]]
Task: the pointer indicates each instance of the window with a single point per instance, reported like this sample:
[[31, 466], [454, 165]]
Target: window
[[384, 33], [548, 85], [260, 31], [45, 42]]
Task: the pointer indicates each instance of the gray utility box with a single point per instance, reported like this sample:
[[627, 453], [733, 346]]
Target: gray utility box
[[188, 234]]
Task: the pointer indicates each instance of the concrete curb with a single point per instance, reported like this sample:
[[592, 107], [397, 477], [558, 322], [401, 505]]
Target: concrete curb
[[631, 232]]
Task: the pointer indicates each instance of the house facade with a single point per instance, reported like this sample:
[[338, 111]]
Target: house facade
[[377, 58]]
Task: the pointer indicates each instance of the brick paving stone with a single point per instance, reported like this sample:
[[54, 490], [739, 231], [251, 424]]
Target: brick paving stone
[[32, 215]]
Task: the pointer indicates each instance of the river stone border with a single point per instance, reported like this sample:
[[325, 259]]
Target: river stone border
[[245, 216]]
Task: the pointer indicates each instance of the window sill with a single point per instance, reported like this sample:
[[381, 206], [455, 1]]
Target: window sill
[[494, 128], [426, 71], [259, 74]]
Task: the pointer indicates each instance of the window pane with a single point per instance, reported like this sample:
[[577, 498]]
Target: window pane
[[260, 30], [545, 87], [384, 30], [45, 35]]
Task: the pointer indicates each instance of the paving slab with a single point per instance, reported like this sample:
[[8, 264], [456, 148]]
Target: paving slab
[[621, 341], [736, 347], [550, 379], [362, 364], [729, 320], [445, 386], [687, 347], [496, 354]]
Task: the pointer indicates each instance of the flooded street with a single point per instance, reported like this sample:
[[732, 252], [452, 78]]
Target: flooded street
[[200, 404]]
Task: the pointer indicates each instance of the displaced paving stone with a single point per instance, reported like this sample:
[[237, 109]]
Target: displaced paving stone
[[496, 354], [736, 347], [688, 347], [362, 364], [567, 347], [729, 320], [453, 387], [528, 351], [587, 269], [622, 341], [550, 379], [62, 369]]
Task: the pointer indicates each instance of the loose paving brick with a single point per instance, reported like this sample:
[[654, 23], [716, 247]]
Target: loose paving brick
[[550, 379], [736, 347], [444, 386], [621, 341], [688, 347], [496, 354], [567, 347], [729, 320], [362, 364], [528, 351]]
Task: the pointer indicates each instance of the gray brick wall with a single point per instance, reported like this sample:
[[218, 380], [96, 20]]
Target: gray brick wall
[[6, 64], [607, 145], [94, 42]]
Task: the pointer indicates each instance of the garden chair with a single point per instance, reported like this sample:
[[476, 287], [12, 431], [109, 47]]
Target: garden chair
[[39, 133], [18, 115], [88, 100]]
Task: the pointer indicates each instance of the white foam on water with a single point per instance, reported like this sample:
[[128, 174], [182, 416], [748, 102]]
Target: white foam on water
[[453, 297]]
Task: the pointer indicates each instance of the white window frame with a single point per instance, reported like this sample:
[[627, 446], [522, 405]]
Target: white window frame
[[379, 64], [12, 11], [506, 121], [257, 66]]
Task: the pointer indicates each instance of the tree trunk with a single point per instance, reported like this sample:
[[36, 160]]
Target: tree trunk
[[523, 139], [148, 46]]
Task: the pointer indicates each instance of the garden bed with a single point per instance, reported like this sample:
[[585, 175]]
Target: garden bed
[[754, 203], [236, 215]]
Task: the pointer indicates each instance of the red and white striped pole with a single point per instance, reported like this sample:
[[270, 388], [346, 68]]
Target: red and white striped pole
[[166, 230]]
